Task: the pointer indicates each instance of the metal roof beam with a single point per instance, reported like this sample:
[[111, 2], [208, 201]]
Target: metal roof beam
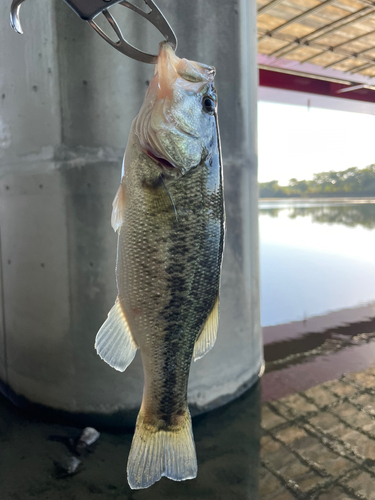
[[350, 85], [367, 2], [324, 31], [269, 6], [298, 18], [339, 45], [353, 56], [340, 61], [357, 69], [345, 53]]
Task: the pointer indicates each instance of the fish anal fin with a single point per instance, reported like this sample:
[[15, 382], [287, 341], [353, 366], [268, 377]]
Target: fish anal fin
[[118, 205], [207, 337], [114, 342], [161, 452]]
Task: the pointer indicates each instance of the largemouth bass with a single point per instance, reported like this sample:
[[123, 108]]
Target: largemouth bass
[[169, 214]]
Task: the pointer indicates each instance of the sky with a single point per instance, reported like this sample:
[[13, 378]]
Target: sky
[[294, 141]]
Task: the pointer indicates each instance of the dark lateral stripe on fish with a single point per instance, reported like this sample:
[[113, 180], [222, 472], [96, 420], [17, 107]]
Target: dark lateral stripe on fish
[[209, 264], [176, 315]]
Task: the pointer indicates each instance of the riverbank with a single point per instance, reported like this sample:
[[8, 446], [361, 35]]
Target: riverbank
[[302, 354]]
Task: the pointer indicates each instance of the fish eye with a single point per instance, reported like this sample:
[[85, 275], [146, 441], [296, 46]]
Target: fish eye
[[208, 105]]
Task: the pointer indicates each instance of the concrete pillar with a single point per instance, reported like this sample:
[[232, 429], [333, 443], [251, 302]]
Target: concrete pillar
[[66, 103]]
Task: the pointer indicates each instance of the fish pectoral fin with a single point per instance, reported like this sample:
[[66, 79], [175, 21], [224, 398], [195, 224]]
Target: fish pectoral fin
[[161, 452], [114, 342], [118, 205], [207, 337]]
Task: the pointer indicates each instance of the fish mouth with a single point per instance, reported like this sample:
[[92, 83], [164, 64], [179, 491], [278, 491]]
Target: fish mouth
[[162, 162]]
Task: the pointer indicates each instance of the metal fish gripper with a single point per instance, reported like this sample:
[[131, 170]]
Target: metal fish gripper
[[88, 10]]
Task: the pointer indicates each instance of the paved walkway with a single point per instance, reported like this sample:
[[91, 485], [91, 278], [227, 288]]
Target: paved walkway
[[320, 444]]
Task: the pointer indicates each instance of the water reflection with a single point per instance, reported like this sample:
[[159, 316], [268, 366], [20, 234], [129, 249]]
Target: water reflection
[[349, 215], [316, 256]]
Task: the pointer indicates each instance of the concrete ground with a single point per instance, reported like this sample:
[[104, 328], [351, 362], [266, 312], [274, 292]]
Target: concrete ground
[[319, 444], [32, 454]]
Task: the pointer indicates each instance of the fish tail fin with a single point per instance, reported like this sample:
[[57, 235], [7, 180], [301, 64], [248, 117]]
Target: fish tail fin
[[157, 452]]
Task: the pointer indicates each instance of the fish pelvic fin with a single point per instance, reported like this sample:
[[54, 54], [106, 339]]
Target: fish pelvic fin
[[158, 452], [118, 206], [114, 342], [207, 337]]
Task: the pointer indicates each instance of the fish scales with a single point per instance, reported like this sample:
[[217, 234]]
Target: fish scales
[[169, 212], [182, 262]]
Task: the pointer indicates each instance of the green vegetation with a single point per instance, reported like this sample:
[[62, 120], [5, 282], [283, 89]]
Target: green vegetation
[[350, 182]]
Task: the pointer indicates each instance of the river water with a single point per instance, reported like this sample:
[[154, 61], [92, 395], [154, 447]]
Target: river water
[[316, 256]]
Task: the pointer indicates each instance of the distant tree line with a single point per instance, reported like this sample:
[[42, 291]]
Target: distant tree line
[[350, 182]]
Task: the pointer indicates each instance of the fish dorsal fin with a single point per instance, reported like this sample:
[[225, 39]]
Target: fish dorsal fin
[[114, 342], [207, 337], [118, 208]]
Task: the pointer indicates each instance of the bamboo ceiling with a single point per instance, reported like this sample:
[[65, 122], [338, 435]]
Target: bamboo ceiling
[[338, 34]]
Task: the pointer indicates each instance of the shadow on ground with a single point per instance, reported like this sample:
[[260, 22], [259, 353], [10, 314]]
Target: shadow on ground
[[227, 441]]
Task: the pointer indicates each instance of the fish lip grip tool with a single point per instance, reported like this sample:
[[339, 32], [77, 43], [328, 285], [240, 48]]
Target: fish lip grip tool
[[89, 9]]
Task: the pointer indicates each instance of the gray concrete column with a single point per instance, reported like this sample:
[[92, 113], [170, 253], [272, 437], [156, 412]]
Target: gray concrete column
[[66, 103]]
